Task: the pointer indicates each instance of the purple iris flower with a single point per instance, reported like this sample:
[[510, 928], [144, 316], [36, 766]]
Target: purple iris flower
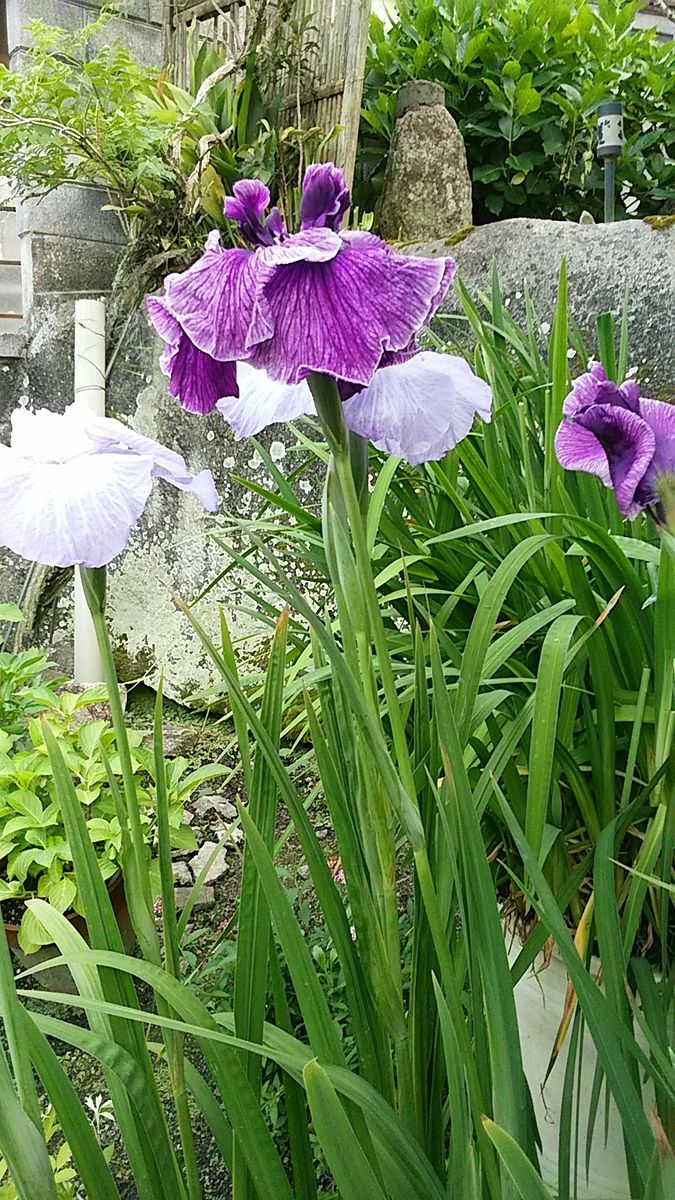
[[339, 303], [612, 432], [196, 379], [72, 486]]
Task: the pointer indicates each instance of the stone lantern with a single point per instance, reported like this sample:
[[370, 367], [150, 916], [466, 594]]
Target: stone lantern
[[427, 188]]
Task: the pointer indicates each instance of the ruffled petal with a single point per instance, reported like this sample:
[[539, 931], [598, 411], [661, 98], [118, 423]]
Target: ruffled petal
[[263, 401], [195, 379], [164, 322], [112, 436], [78, 513], [215, 302], [46, 436], [247, 207], [325, 197], [338, 316], [420, 408], [627, 443], [310, 245], [660, 416], [595, 388], [578, 449], [249, 203]]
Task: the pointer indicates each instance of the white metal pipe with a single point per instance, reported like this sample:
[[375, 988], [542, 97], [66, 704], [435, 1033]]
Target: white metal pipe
[[89, 393]]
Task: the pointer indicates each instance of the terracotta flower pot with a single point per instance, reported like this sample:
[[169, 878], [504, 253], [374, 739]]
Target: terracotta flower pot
[[59, 978]]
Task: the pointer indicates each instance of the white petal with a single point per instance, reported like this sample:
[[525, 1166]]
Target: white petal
[[46, 436], [263, 401], [75, 513], [421, 408], [109, 434]]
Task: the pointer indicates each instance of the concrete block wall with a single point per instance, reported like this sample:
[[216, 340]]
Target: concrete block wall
[[69, 246], [139, 26]]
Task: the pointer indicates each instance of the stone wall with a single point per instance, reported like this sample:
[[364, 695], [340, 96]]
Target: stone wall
[[605, 263], [69, 247], [138, 27], [170, 550]]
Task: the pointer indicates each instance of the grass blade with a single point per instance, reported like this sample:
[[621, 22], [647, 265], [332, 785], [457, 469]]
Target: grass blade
[[528, 1183], [353, 1173]]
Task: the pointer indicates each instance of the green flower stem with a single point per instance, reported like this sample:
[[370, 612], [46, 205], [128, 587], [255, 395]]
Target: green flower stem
[[361, 622], [140, 894], [358, 457], [329, 408]]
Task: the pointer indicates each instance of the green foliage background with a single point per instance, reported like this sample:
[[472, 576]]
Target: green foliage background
[[523, 78]]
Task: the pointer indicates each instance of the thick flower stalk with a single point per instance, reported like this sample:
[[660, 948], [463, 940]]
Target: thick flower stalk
[[72, 486], [246, 328], [613, 432]]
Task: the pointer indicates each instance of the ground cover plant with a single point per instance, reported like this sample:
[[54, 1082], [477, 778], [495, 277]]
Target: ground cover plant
[[417, 762], [523, 79]]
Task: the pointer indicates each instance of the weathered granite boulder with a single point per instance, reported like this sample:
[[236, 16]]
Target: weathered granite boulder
[[427, 187], [604, 263]]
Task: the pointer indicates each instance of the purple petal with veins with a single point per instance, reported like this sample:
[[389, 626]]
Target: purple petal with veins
[[596, 388], [336, 309], [195, 379], [216, 304], [611, 440], [325, 197]]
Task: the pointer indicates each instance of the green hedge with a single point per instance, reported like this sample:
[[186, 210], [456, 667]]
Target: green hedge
[[523, 78]]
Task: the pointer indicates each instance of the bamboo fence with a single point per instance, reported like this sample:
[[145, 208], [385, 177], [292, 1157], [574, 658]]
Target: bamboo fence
[[327, 87]]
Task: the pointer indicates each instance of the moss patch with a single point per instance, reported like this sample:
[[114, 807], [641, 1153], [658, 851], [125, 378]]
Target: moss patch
[[663, 221], [461, 234]]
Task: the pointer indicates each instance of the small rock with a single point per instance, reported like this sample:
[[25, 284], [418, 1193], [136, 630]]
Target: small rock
[[218, 866], [177, 855], [215, 804], [303, 871], [427, 186], [236, 835], [205, 899], [322, 832], [182, 875], [179, 740]]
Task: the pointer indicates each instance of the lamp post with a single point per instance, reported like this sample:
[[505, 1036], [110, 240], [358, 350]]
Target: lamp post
[[610, 144]]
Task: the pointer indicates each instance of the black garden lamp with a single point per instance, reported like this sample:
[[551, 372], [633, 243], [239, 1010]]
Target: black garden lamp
[[610, 144]]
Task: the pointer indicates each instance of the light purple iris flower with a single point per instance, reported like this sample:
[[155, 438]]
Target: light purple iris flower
[[72, 486], [418, 406], [244, 328], [612, 432]]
